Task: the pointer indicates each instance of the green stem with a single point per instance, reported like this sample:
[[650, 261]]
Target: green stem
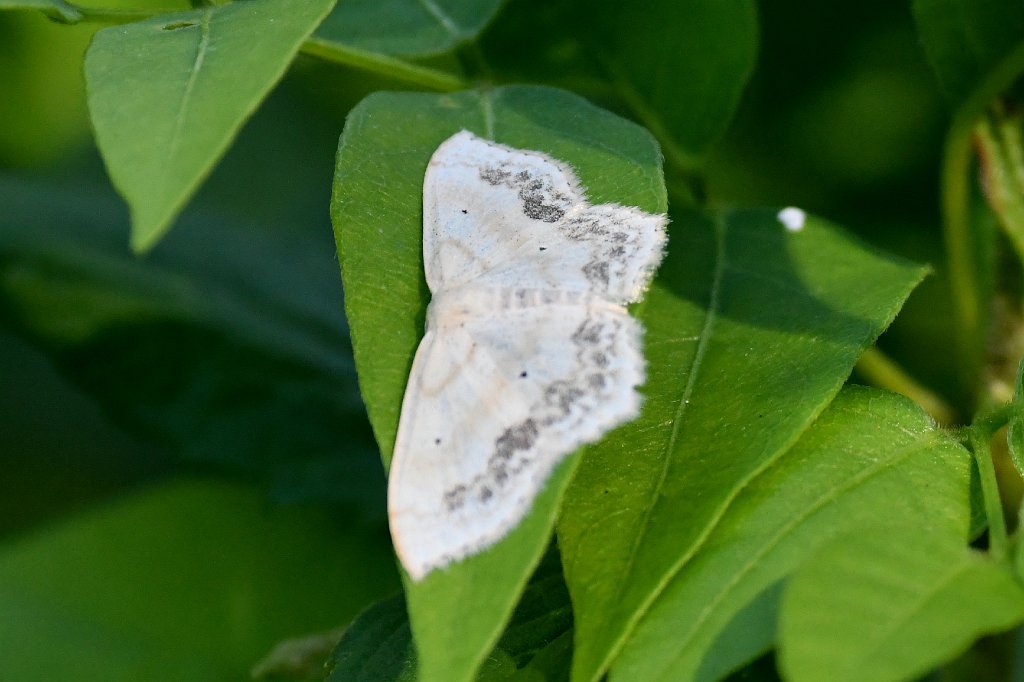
[[372, 62], [384, 65], [960, 249], [882, 371], [997, 538], [118, 16]]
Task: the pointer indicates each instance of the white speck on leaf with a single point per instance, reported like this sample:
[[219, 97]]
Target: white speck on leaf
[[792, 218]]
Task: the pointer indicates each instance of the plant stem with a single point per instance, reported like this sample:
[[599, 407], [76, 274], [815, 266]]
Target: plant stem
[[118, 16], [383, 65], [960, 249], [882, 371], [997, 539], [372, 62]]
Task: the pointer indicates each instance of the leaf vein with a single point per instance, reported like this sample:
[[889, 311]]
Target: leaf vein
[[193, 77], [442, 18], [695, 365]]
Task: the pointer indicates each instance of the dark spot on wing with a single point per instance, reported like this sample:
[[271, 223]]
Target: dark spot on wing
[[522, 436], [522, 375], [588, 333], [437, 441], [494, 175], [540, 199], [464, 211], [596, 272], [455, 498], [543, 248]]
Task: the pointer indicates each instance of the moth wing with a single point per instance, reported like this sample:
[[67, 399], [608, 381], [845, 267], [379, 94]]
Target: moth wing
[[514, 218], [487, 416]]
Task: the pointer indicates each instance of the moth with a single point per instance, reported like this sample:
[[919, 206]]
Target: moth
[[529, 351]]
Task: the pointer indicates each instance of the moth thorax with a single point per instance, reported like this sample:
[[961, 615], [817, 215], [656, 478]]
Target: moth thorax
[[452, 307]]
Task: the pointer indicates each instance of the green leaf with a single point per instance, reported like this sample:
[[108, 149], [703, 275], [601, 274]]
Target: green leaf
[[407, 28], [227, 344], [57, 10], [167, 95], [377, 646], [966, 40], [750, 634], [871, 457], [751, 330], [681, 66], [187, 581], [890, 603], [387, 142]]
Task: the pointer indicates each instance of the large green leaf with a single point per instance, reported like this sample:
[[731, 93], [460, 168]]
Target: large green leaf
[[406, 28], [967, 40], [870, 457], [187, 581], [227, 344], [751, 330], [377, 216], [167, 95], [681, 66], [891, 602]]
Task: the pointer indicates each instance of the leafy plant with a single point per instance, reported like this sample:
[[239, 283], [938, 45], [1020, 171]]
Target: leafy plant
[[764, 517]]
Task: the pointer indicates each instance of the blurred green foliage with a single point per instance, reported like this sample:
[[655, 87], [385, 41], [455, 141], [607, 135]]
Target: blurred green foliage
[[200, 481]]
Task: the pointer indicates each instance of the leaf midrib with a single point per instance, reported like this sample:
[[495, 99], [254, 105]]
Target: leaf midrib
[[186, 95], [695, 367], [442, 18]]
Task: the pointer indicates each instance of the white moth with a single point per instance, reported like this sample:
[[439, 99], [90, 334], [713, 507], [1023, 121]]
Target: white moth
[[528, 351]]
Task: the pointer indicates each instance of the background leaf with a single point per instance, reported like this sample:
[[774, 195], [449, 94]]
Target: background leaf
[[751, 330], [168, 94], [386, 144], [407, 28], [227, 345], [967, 40], [681, 66], [871, 606], [378, 647], [192, 580], [870, 457]]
